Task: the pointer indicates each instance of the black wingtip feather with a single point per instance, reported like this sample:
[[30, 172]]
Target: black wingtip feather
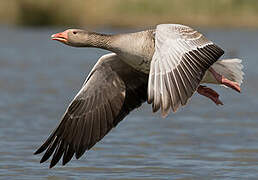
[[51, 165], [67, 158], [38, 151], [44, 146], [78, 154], [68, 154], [58, 154], [49, 151]]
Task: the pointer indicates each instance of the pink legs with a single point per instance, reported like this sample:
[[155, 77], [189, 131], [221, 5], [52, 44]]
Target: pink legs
[[213, 95], [210, 93], [222, 80]]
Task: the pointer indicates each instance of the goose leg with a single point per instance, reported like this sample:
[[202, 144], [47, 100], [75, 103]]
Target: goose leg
[[222, 80], [210, 93]]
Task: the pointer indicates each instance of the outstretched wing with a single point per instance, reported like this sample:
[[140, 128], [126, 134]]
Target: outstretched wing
[[110, 92], [182, 56]]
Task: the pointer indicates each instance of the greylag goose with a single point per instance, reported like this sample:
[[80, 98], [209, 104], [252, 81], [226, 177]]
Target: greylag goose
[[163, 66]]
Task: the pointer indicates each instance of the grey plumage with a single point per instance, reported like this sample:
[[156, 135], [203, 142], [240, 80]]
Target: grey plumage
[[165, 65], [111, 91]]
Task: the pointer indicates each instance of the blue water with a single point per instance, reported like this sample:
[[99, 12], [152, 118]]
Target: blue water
[[39, 78]]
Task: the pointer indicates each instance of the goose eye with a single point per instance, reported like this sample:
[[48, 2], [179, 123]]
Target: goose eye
[[74, 32]]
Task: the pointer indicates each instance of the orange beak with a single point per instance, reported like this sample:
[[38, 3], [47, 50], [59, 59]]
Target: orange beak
[[62, 37]]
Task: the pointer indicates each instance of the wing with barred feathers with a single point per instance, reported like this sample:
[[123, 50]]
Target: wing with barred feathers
[[182, 56]]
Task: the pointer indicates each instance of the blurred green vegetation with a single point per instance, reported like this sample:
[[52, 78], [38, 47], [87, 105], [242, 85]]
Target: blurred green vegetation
[[129, 13]]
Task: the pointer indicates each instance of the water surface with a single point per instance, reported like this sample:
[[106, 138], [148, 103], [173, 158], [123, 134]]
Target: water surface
[[39, 78]]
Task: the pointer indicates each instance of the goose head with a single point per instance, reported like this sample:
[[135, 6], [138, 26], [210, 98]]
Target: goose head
[[73, 37]]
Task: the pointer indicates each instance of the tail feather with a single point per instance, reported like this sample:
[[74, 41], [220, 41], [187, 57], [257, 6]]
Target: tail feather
[[231, 69]]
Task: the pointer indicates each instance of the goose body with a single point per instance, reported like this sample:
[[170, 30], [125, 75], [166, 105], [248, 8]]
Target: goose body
[[164, 66], [139, 53]]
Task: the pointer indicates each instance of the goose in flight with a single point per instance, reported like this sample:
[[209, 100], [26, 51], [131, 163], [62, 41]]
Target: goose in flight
[[164, 66]]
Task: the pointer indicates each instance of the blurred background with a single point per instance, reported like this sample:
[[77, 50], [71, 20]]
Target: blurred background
[[129, 13], [39, 78]]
